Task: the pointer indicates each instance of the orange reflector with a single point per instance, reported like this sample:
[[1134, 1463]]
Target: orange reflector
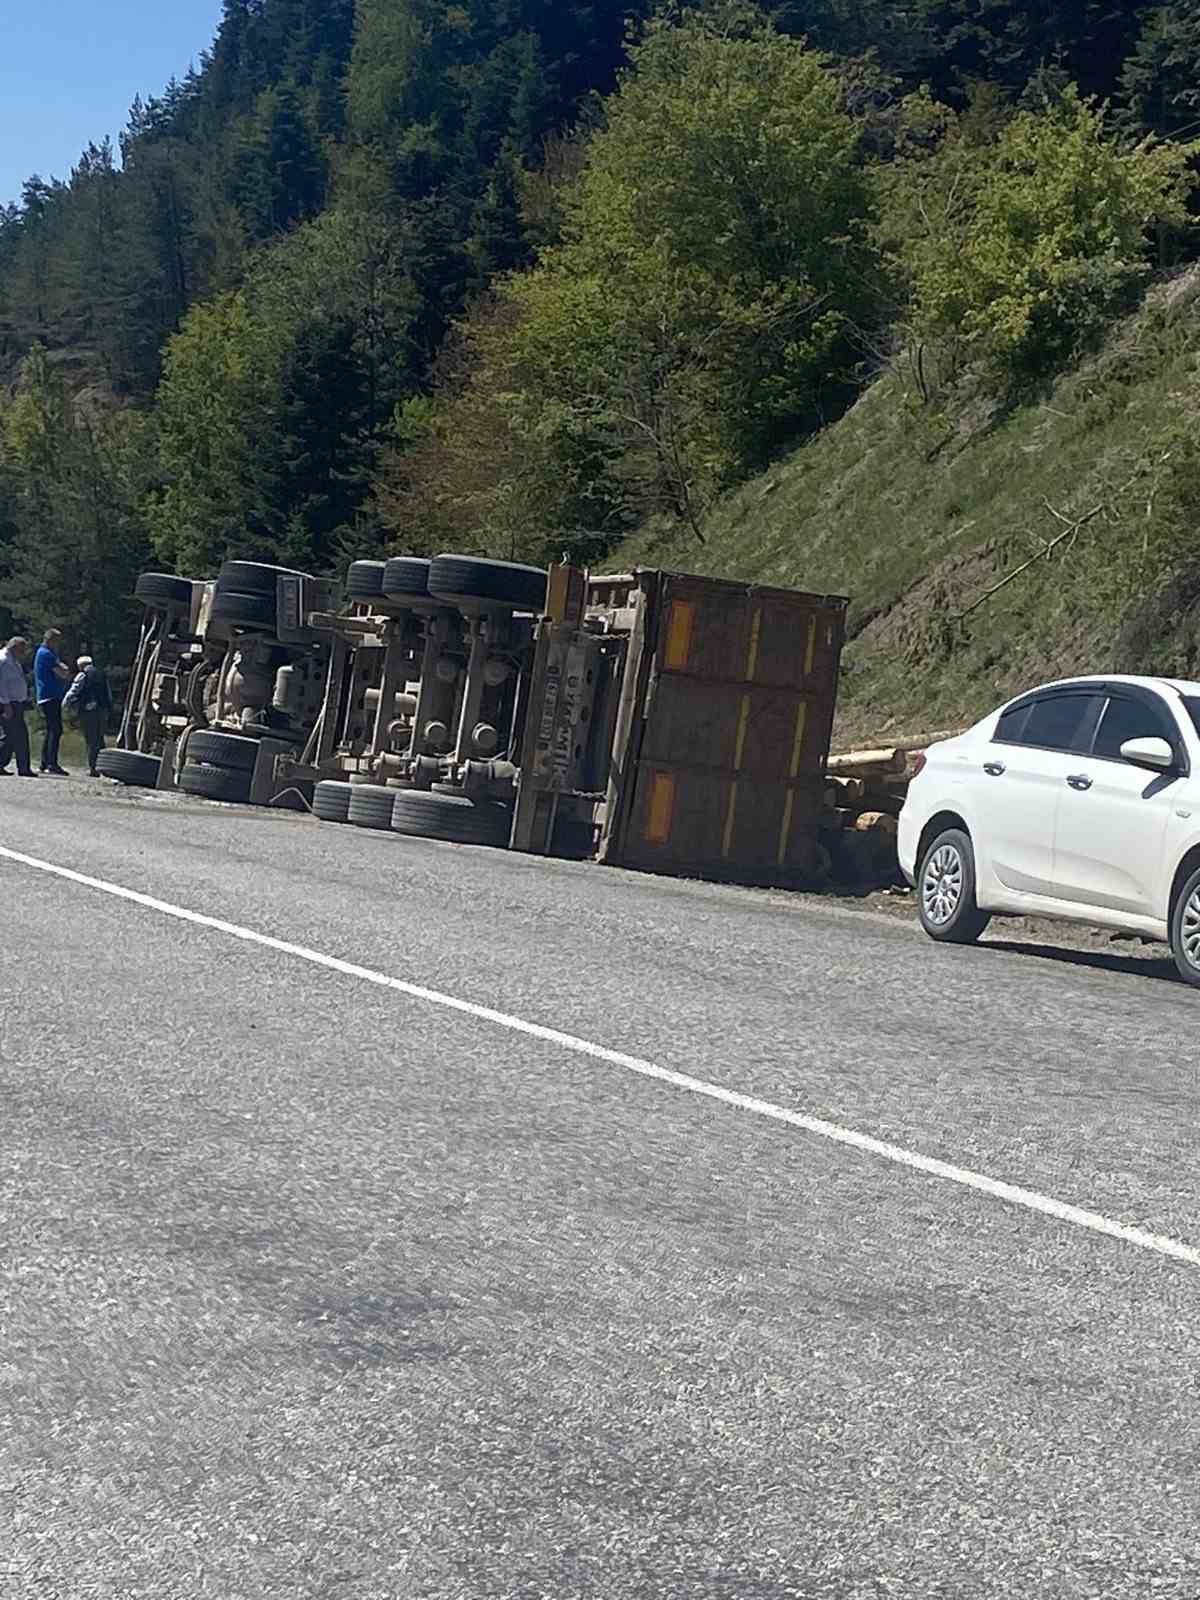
[[662, 809], [679, 635]]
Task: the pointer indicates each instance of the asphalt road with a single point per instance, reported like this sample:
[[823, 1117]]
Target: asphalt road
[[310, 1288]]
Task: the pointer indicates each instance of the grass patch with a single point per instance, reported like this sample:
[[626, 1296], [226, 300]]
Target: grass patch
[[915, 513], [72, 752]]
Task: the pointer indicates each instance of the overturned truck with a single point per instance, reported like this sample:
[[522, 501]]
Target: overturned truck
[[225, 679], [649, 719]]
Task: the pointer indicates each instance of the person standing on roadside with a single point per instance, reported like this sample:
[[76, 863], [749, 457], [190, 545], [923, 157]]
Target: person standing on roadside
[[91, 700], [14, 697], [50, 679]]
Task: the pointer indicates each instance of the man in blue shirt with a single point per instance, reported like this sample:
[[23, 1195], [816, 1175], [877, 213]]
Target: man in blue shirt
[[49, 685]]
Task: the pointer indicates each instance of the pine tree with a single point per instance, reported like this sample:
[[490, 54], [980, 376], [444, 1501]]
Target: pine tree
[[1160, 83]]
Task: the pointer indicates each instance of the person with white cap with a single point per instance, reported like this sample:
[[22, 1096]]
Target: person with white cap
[[91, 699]]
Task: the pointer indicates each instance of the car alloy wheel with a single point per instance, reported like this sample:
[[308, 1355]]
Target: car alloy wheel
[[1189, 930], [942, 885]]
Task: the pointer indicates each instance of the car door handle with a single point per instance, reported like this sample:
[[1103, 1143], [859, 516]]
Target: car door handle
[[994, 769], [1079, 780]]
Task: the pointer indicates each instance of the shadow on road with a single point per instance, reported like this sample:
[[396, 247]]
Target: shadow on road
[[1159, 967]]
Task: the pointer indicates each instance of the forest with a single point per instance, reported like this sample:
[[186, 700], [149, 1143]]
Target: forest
[[517, 276]]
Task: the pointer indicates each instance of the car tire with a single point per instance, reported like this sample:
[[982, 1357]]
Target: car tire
[[232, 751], [215, 783], [406, 578], [946, 899], [452, 818], [468, 580], [1185, 931], [364, 581], [370, 806], [240, 609], [331, 801], [161, 589], [130, 767]]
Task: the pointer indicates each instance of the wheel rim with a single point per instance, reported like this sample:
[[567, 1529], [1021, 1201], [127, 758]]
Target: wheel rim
[[942, 889], [1190, 930]]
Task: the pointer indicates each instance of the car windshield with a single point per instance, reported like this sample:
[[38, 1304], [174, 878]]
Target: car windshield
[[1192, 702]]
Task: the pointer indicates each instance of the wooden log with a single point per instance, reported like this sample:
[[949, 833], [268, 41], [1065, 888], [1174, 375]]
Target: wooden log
[[921, 741], [876, 822], [853, 762], [847, 790], [868, 763]]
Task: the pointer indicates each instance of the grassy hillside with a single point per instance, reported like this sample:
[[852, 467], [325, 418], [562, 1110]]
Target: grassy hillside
[[915, 513]]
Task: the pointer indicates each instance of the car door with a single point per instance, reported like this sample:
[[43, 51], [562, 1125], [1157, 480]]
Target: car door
[[1113, 817], [1024, 777]]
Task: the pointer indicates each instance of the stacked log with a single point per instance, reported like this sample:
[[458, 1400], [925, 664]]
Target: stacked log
[[864, 793]]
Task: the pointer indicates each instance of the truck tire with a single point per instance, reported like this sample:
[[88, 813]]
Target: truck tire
[[406, 578], [162, 589], [364, 581], [470, 580], [450, 817], [215, 783], [370, 806], [233, 751], [252, 577], [331, 801], [131, 767], [240, 610]]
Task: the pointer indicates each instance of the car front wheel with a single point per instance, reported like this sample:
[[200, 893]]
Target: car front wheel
[[1185, 931], [946, 890]]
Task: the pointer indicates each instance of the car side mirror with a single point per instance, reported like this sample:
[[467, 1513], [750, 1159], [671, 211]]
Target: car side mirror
[[1153, 753]]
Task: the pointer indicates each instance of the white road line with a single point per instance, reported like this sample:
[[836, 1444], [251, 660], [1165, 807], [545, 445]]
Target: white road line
[[1012, 1193]]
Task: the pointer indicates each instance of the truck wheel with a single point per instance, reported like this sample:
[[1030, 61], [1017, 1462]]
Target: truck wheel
[[946, 890], [131, 767], [406, 578], [215, 783], [451, 817], [162, 589], [233, 751], [370, 806], [467, 579], [331, 801], [242, 610], [364, 581], [252, 577]]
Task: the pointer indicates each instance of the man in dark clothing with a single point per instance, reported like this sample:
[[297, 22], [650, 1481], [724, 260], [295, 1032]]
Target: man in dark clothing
[[50, 684], [14, 697], [91, 699]]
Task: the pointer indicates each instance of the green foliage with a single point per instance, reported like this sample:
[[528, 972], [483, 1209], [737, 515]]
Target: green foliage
[[1009, 42], [1016, 245], [697, 310], [1160, 82], [217, 381], [648, 293], [963, 504], [273, 399], [71, 537]]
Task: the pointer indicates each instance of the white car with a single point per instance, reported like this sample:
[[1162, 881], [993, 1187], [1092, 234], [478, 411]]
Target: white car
[[1078, 800]]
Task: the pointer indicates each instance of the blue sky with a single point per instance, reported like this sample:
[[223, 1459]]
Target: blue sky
[[69, 70]]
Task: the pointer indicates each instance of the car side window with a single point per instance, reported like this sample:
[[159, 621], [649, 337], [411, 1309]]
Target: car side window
[[1012, 724], [1130, 719], [1061, 721]]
